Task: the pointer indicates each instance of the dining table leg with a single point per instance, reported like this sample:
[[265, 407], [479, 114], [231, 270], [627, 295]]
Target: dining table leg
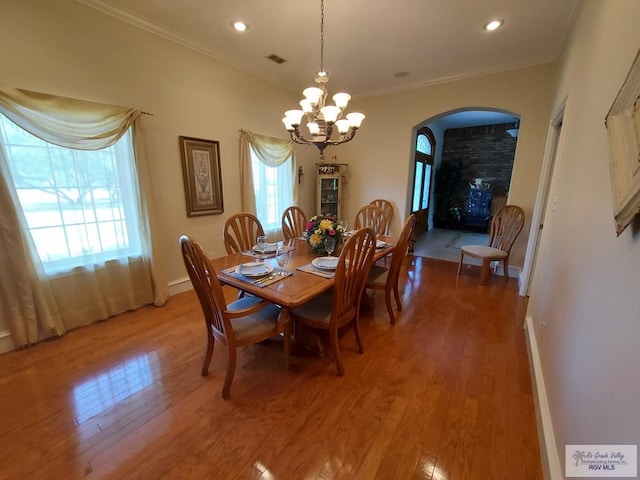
[[284, 320]]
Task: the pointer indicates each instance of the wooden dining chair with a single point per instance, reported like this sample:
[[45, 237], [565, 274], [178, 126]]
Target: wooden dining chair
[[294, 223], [245, 321], [340, 307], [371, 216], [505, 228], [241, 232], [382, 278], [387, 208]]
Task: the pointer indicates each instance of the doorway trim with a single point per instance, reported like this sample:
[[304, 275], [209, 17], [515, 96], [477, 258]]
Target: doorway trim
[[553, 153]]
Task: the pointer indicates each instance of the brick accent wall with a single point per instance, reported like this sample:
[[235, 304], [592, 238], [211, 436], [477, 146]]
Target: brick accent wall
[[485, 152]]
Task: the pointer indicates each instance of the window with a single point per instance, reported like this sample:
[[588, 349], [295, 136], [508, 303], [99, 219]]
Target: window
[[273, 188], [78, 204], [425, 143]]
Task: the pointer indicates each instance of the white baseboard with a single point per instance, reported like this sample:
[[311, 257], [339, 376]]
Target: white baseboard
[[6, 344], [551, 466], [179, 286]]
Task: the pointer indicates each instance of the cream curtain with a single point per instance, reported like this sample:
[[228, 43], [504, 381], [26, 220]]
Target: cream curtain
[[271, 151], [48, 306]]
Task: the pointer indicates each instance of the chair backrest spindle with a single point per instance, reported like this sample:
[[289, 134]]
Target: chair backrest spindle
[[294, 223], [241, 231]]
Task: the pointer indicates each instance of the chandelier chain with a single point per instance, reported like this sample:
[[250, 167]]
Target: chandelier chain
[[321, 35]]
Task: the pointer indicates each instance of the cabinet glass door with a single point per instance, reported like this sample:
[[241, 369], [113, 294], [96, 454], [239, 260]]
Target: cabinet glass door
[[329, 195]]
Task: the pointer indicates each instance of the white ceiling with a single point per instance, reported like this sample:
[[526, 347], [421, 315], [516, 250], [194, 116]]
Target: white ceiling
[[366, 42]]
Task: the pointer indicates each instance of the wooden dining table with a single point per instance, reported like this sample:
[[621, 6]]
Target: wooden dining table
[[291, 291]]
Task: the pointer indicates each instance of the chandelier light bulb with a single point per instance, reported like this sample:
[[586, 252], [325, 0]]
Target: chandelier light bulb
[[287, 124], [306, 106], [355, 119], [295, 116], [313, 95], [343, 126], [341, 99], [330, 113], [314, 128]]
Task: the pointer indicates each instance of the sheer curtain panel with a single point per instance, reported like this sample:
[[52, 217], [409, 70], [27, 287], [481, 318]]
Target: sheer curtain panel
[[76, 214], [267, 173]]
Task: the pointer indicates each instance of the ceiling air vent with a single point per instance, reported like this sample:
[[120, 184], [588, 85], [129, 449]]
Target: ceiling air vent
[[275, 58]]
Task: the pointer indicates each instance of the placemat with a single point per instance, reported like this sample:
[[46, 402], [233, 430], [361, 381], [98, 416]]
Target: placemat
[[310, 268], [254, 254], [275, 276]]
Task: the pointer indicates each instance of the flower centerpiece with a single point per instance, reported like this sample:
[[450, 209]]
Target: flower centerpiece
[[320, 227]]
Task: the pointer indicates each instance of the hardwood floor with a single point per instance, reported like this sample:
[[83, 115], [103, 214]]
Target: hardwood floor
[[443, 394]]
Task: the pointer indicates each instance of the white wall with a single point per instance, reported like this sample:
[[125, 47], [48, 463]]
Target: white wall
[[380, 156], [584, 305]]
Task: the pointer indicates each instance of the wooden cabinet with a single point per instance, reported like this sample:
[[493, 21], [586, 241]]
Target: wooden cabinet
[[329, 189]]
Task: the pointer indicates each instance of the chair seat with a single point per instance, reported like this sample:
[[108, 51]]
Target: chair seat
[[378, 275], [259, 323], [482, 251], [318, 309]]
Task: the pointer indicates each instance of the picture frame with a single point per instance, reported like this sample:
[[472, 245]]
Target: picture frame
[[623, 126], [202, 175]]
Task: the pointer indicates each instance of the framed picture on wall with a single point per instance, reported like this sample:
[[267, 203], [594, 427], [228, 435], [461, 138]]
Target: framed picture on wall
[[202, 176], [623, 125]]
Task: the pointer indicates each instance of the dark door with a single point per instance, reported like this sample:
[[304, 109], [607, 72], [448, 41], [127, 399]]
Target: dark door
[[422, 176]]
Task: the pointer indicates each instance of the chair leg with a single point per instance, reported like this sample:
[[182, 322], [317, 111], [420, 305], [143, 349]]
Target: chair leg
[[505, 265], [486, 270], [287, 344], [335, 351], [396, 294], [460, 263], [387, 301], [356, 331], [231, 370], [208, 354]]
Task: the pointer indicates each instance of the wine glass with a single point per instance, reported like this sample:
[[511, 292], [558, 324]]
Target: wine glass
[[282, 256], [344, 224], [262, 245], [330, 245]]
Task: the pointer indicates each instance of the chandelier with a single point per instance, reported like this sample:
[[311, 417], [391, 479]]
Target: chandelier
[[322, 120]]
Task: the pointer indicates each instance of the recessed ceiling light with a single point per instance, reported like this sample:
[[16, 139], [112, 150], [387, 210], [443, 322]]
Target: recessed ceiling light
[[239, 26], [494, 25]]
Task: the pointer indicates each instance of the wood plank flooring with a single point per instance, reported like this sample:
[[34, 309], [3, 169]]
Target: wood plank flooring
[[443, 394]]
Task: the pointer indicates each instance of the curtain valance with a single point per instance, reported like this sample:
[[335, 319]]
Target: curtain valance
[[271, 151], [67, 122]]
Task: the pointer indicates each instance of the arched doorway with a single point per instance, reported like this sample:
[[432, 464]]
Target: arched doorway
[[472, 148]]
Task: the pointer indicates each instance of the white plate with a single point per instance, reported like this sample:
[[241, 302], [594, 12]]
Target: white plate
[[254, 269], [271, 248], [381, 244], [325, 263]]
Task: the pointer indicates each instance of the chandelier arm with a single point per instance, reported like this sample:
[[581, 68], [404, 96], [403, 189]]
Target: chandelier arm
[[297, 138], [345, 138]]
